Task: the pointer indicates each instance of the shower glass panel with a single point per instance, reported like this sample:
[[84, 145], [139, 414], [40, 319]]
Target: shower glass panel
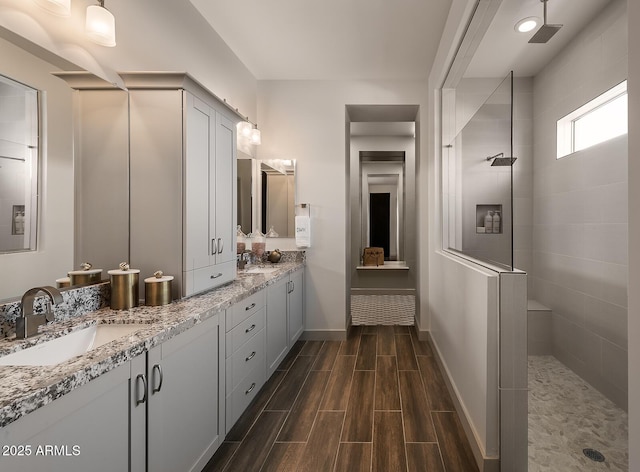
[[477, 169]]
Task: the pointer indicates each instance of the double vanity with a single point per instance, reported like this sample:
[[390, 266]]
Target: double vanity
[[151, 388]]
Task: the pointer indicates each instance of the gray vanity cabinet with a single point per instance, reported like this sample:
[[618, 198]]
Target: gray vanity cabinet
[[156, 173], [245, 352], [295, 305], [285, 317], [183, 180], [185, 422], [85, 429], [277, 334]]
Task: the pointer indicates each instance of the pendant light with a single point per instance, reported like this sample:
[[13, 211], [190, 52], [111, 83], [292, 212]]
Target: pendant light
[[256, 136], [57, 7], [101, 25], [245, 128]]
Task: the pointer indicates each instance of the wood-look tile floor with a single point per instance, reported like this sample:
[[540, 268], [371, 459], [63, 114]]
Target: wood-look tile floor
[[375, 402]]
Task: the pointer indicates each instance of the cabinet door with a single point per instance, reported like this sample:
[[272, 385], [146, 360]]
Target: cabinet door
[[199, 242], [296, 306], [87, 429], [225, 193], [139, 393], [277, 345], [183, 427]]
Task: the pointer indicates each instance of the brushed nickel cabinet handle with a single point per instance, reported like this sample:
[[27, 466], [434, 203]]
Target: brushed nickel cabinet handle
[[157, 368], [217, 275], [250, 328], [251, 356], [253, 385], [220, 245], [214, 249], [253, 305], [144, 392]]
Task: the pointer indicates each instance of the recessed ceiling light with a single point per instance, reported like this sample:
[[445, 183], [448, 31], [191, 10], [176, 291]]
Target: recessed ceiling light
[[527, 24]]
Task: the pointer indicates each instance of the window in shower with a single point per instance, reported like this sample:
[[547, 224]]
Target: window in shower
[[603, 118]]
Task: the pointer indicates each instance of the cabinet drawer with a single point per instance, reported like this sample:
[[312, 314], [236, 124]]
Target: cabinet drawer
[[244, 309], [211, 277], [241, 396], [250, 355], [245, 331]]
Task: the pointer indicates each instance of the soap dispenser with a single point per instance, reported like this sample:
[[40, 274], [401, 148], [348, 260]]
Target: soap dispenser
[[488, 222], [496, 222]]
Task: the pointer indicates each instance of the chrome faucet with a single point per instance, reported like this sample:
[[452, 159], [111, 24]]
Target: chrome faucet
[[27, 323]]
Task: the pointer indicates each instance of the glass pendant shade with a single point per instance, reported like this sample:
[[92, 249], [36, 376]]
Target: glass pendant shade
[[256, 137], [245, 128], [57, 7], [101, 26]]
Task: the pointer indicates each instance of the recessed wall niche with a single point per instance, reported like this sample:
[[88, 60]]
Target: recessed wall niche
[[481, 213]]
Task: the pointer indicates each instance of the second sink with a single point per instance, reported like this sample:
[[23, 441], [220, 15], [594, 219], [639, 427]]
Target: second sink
[[261, 270]]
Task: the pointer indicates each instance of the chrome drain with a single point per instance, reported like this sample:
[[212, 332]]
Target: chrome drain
[[594, 455]]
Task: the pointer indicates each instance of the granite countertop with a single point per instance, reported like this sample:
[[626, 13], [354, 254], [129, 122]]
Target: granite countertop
[[24, 389]]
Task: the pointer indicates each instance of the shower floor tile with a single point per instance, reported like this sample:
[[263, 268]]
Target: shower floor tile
[[567, 415]]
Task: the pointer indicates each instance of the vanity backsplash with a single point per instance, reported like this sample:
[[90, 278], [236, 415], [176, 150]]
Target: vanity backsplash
[[76, 302]]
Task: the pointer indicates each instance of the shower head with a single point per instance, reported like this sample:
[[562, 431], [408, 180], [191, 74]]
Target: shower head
[[546, 31], [500, 161]]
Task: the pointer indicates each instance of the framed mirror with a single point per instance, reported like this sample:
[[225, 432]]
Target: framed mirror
[[382, 176], [19, 157], [266, 196]]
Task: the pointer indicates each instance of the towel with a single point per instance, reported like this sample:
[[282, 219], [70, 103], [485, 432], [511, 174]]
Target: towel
[[303, 231]]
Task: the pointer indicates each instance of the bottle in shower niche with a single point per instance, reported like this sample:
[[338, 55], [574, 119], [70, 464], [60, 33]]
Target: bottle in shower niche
[[488, 222], [496, 222]]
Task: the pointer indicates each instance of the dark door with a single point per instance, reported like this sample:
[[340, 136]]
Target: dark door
[[379, 221]]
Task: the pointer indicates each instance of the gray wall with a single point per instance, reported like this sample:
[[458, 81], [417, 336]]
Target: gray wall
[[581, 211]]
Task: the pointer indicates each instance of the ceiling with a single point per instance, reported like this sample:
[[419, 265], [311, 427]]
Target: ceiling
[[502, 49], [331, 39]]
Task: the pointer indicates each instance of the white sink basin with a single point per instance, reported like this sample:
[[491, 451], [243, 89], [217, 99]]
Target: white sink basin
[[261, 270], [70, 345]]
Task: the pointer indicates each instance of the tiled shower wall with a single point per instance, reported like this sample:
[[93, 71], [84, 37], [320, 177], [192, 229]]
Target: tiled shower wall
[[580, 211], [485, 135]]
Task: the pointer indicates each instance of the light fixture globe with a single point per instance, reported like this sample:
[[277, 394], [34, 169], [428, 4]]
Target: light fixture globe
[[100, 26], [57, 7], [244, 129], [256, 136]]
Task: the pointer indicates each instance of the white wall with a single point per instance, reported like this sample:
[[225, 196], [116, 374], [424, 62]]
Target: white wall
[[305, 120], [151, 35], [634, 235], [464, 305], [580, 211], [54, 254], [463, 282]]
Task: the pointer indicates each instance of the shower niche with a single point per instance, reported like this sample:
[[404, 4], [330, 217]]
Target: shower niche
[[482, 211]]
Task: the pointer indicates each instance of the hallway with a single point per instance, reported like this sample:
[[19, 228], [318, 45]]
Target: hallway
[[376, 402]]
